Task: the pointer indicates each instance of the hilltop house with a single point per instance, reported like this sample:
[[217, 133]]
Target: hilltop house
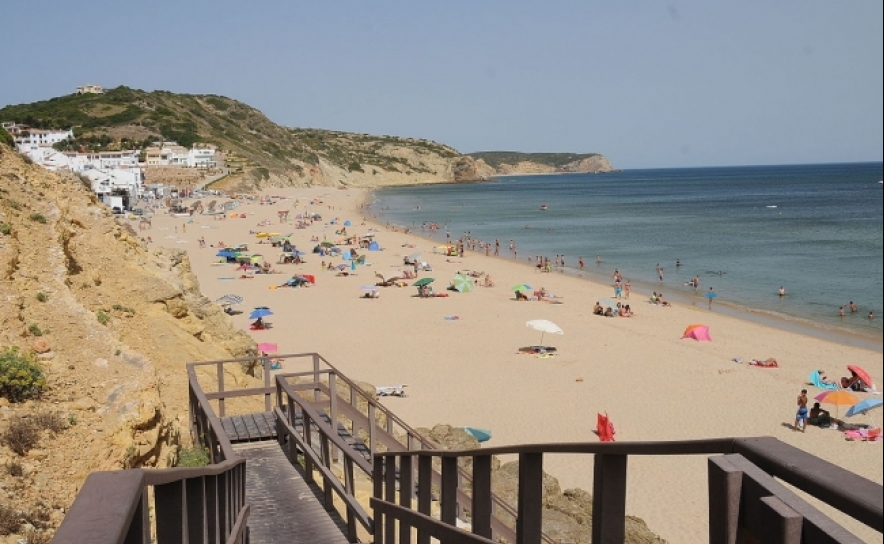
[[90, 89]]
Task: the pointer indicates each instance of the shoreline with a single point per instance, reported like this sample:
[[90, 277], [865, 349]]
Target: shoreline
[[750, 314], [468, 371]]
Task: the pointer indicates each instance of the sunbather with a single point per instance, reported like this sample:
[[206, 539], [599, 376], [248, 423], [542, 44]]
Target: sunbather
[[521, 296]]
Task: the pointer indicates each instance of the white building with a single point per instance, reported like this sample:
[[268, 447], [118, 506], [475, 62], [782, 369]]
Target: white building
[[90, 89], [25, 135]]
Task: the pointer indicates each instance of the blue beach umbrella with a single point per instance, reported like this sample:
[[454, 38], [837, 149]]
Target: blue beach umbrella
[[226, 253], [863, 406], [260, 312]]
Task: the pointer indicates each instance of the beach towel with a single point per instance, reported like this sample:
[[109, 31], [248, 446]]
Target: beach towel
[[767, 363], [816, 381], [864, 435]]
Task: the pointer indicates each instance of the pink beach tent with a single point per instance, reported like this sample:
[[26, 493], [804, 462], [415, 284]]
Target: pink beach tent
[[697, 332]]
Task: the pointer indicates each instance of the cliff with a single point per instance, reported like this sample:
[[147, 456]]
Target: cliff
[[111, 323]]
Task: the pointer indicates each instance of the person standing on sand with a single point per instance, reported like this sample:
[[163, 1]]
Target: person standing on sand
[[801, 415], [710, 295], [626, 287]]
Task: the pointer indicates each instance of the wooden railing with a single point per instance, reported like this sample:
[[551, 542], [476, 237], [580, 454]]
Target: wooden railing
[[746, 502], [345, 404], [194, 505]]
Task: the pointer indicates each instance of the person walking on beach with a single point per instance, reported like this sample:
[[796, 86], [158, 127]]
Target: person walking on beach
[[710, 295], [801, 415]]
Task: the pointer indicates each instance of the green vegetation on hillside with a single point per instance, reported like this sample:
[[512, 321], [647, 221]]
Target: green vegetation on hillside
[[558, 160], [131, 118]]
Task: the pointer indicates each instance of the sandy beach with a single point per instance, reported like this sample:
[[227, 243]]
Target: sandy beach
[[468, 371]]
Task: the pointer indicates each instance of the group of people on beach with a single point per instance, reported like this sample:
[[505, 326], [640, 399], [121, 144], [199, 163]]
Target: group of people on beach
[[818, 416]]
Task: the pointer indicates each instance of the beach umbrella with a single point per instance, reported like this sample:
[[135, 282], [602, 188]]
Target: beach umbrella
[[260, 312], [522, 287], [262, 235], [229, 298], [226, 253], [347, 223], [837, 398], [268, 347], [863, 375], [414, 257], [326, 244], [463, 283], [423, 281], [697, 332], [341, 267], [863, 406], [544, 326], [608, 303]]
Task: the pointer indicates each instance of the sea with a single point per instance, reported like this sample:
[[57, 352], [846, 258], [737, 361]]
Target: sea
[[815, 230]]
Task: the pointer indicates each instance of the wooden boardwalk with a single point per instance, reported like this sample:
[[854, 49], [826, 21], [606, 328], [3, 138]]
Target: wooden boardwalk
[[250, 427], [284, 508]]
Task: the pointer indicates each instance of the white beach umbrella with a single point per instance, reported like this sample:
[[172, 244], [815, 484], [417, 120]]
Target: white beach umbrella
[[544, 326]]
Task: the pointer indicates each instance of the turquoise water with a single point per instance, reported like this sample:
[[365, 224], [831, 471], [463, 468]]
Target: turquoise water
[[814, 229]]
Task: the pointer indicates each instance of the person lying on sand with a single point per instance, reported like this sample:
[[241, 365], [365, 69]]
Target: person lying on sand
[[488, 282], [521, 296]]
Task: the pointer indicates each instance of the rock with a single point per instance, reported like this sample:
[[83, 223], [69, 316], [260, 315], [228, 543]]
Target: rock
[[41, 345], [101, 363], [48, 356], [38, 455]]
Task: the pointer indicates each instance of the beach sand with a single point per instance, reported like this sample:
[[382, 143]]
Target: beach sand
[[653, 384]]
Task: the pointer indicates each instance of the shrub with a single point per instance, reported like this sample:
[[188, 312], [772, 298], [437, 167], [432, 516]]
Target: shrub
[[38, 217], [34, 329], [42, 297], [102, 317], [15, 469], [50, 421], [10, 520], [197, 456], [21, 378], [21, 436], [5, 229]]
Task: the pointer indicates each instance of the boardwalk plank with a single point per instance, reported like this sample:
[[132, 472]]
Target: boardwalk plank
[[283, 507]]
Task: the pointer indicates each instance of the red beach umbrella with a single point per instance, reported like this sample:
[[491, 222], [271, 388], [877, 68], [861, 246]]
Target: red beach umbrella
[[863, 375]]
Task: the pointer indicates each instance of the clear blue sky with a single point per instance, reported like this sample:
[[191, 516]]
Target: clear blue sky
[[645, 83]]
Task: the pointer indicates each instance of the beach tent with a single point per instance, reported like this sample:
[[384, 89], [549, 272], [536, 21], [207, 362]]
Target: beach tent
[[347, 223], [697, 332], [374, 246]]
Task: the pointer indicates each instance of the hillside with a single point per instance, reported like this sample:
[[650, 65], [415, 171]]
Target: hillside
[[107, 324], [259, 152]]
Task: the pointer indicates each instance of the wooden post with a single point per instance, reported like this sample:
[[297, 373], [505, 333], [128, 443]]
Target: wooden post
[[782, 524], [725, 489], [481, 508], [530, 508], [609, 499]]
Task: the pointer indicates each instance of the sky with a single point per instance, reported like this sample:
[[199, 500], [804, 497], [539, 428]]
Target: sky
[[647, 84]]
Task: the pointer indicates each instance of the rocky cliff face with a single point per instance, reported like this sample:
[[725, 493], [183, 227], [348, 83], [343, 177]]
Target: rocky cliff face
[[111, 322]]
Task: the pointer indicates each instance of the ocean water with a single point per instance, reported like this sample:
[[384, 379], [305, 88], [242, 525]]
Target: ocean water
[[816, 230]]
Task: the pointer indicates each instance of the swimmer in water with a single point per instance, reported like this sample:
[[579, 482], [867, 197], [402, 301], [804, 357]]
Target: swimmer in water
[[782, 291]]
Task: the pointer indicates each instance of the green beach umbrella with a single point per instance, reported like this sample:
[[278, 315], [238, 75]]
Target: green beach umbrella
[[522, 287], [424, 281], [463, 283]]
